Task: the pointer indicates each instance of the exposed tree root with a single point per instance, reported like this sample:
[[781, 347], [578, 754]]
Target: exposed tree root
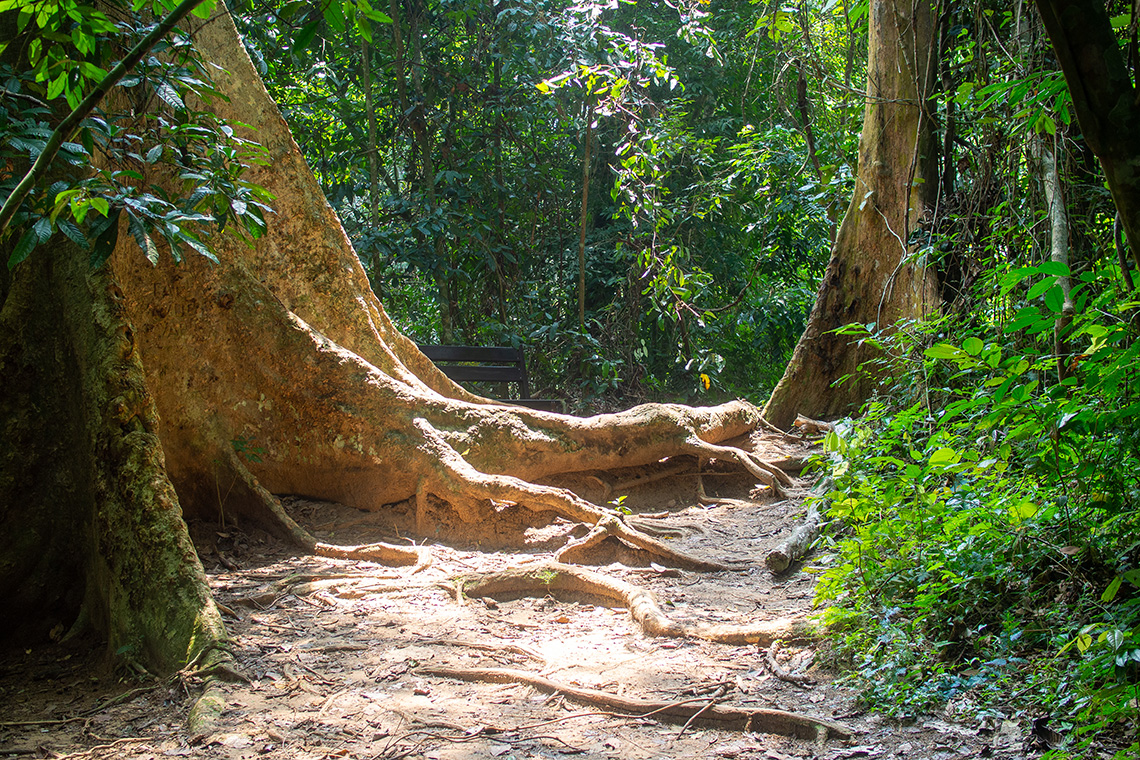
[[383, 553], [458, 482], [701, 711], [771, 476], [704, 498], [555, 578], [782, 673]]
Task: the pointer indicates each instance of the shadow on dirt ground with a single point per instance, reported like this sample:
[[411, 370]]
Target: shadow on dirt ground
[[334, 653]]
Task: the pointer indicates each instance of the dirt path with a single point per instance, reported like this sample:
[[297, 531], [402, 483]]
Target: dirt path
[[335, 650]]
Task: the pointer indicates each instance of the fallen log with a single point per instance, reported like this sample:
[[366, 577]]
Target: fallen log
[[797, 544]]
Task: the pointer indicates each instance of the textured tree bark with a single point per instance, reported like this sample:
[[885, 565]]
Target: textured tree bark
[[121, 383], [1104, 99], [873, 276], [94, 538], [1058, 251]]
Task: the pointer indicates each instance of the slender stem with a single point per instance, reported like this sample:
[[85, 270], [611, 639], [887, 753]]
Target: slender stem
[[585, 217], [68, 126]]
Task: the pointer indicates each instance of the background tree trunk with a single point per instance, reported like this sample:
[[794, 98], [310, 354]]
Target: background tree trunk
[[1104, 99], [873, 276]]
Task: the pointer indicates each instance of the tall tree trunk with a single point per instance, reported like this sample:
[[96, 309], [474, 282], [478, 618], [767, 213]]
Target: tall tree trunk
[[584, 216], [373, 162], [1058, 249], [873, 277], [373, 151], [424, 132], [500, 188], [399, 73], [94, 537], [1104, 99]]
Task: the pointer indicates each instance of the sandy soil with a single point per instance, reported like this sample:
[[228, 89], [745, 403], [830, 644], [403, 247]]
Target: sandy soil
[[333, 652]]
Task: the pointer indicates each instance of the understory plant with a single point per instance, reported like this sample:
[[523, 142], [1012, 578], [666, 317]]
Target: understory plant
[[984, 553]]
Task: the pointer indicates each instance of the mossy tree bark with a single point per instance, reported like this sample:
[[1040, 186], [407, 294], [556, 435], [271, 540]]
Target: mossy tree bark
[[94, 537], [282, 346], [874, 275]]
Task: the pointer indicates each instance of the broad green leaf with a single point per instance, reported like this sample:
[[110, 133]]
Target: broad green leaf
[[1055, 299], [1055, 268], [55, 89], [24, 246], [972, 345], [1022, 511], [832, 442], [305, 36], [69, 228], [1110, 592], [42, 228], [1040, 288], [943, 457], [205, 9], [169, 95], [144, 242], [943, 351], [334, 15]]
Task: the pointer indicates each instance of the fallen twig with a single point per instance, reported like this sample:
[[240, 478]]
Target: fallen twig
[[779, 671]]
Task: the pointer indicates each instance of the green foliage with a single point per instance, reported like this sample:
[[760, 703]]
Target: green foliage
[[696, 256], [177, 168], [989, 516]]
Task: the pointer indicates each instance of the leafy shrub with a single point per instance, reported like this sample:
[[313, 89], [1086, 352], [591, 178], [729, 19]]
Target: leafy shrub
[[988, 545]]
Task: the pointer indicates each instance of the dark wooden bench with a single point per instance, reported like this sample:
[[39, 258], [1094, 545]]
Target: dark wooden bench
[[489, 364]]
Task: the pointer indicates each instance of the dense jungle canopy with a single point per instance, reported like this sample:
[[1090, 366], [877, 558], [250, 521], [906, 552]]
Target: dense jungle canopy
[[227, 227]]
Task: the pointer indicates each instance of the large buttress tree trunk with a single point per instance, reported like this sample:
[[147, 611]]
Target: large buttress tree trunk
[[93, 534], [873, 276], [173, 374]]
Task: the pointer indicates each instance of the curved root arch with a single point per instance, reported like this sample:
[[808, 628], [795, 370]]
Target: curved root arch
[[556, 578]]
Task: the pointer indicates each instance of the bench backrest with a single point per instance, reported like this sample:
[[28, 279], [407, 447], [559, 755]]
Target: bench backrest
[[494, 364]]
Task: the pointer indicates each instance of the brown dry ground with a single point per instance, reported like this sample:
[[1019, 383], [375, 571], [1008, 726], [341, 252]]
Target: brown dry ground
[[332, 648]]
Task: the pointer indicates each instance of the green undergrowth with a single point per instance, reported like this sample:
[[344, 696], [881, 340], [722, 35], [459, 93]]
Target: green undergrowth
[[984, 551]]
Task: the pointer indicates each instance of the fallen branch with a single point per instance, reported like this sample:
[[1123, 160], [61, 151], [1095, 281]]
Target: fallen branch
[[806, 426], [758, 719], [782, 673], [797, 544], [487, 647], [554, 578]]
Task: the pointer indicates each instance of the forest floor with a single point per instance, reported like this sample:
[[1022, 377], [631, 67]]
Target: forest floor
[[333, 651]]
